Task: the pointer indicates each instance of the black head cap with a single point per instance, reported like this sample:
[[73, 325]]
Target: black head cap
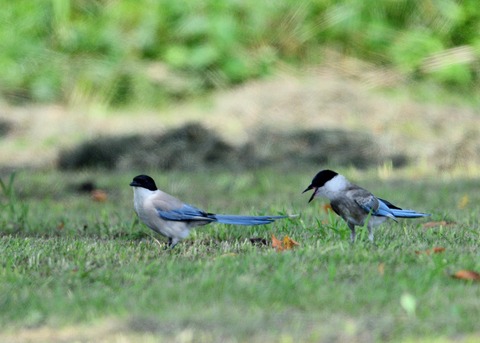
[[321, 178], [144, 181]]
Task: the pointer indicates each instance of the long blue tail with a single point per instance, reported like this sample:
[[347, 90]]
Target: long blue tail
[[387, 209], [245, 220], [408, 214]]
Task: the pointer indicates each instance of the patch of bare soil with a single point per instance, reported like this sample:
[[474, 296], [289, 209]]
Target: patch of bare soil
[[341, 96]]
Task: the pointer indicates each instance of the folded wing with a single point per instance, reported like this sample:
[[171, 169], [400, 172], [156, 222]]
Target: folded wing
[[387, 209], [190, 213], [185, 213]]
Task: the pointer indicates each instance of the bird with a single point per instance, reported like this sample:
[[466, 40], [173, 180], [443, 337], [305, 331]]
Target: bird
[[354, 204], [172, 218]]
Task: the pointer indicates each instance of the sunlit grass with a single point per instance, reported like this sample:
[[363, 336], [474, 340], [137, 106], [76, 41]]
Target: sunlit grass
[[73, 261]]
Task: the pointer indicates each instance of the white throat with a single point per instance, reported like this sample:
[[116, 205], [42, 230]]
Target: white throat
[[331, 188], [338, 183], [140, 194]]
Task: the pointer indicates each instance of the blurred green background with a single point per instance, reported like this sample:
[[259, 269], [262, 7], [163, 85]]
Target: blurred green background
[[153, 52], [405, 72]]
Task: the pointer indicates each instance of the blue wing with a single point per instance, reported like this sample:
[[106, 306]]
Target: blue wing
[[186, 213], [387, 209], [191, 213], [384, 210], [389, 204], [246, 220]]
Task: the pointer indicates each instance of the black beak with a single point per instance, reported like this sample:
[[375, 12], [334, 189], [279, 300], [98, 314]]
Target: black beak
[[308, 188], [313, 194], [134, 184]]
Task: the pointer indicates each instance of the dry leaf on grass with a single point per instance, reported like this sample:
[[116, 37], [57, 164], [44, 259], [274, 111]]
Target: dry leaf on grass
[[467, 275], [277, 244], [289, 243], [429, 225], [99, 195], [435, 250], [286, 244]]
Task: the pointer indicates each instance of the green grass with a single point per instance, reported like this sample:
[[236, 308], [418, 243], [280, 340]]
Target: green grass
[[68, 261]]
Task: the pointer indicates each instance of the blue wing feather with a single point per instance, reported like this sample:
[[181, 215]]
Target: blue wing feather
[[185, 213], [246, 220], [191, 213], [387, 209]]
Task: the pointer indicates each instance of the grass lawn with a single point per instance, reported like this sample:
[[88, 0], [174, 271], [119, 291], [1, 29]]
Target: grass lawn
[[74, 269]]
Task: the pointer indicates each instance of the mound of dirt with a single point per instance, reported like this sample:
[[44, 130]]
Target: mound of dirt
[[5, 127], [320, 146], [191, 146], [102, 152], [194, 147]]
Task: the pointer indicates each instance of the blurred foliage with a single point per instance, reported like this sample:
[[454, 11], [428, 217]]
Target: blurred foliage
[[152, 51]]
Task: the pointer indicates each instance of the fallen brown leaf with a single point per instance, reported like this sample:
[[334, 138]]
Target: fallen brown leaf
[[327, 207], [435, 250], [467, 275], [289, 243], [286, 244], [99, 195], [277, 244], [429, 225]]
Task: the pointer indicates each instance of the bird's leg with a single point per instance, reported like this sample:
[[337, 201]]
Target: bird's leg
[[172, 242], [169, 244], [370, 233], [352, 233]]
